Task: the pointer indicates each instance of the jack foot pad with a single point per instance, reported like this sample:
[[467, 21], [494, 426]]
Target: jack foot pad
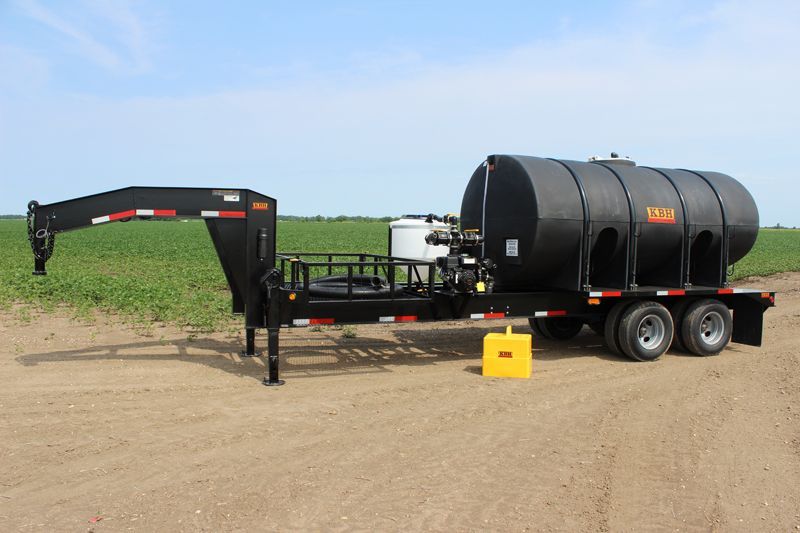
[[271, 383], [245, 354]]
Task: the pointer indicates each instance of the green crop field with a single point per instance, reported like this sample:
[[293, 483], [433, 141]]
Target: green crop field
[[168, 271], [776, 250]]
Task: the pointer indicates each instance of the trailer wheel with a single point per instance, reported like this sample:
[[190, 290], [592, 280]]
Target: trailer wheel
[[678, 311], [706, 328], [537, 331], [561, 328], [645, 331], [611, 327]]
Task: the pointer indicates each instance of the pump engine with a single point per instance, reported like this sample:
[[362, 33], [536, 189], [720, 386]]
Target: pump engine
[[460, 270]]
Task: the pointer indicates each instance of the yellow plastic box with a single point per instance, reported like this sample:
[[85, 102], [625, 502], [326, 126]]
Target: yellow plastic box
[[507, 355]]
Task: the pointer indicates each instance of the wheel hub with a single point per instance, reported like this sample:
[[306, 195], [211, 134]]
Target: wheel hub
[[651, 332], [712, 327]]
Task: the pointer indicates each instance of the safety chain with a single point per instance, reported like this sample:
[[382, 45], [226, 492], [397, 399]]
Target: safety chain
[[44, 253]]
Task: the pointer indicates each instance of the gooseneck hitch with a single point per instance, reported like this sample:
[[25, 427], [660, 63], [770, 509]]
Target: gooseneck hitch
[[43, 240]]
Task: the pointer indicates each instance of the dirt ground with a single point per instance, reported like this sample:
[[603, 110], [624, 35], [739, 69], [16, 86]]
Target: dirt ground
[[103, 429]]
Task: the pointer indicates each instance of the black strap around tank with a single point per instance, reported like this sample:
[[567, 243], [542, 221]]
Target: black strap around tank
[[631, 278], [723, 275], [686, 242], [585, 241]]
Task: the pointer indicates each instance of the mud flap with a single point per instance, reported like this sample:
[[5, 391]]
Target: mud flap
[[748, 321]]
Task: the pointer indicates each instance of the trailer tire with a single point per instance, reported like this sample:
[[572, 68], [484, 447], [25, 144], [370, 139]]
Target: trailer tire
[[560, 328], [611, 326], [707, 327], [678, 311], [537, 331], [645, 331]]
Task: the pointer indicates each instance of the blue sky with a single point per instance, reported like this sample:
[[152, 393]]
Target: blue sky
[[379, 108]]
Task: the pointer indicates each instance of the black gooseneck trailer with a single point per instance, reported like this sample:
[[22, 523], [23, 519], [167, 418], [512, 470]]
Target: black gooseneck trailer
[[640, 255]]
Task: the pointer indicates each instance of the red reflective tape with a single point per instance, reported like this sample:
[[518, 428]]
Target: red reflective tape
[[405, 318], [494, 315], [320, 321], [607, 294], [724, 291], [678, 292], [556, 313], [232, 214], [164, 212], [122, 214]]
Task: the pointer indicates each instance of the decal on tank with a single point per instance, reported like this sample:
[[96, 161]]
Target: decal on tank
[[661, 215]]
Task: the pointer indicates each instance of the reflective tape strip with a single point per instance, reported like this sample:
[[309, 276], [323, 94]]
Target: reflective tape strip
[[122, 214], [164, 213], [550, 313], [134, 213], [155, 212], [223, 214], [114, 216], [736, 291], [311, 321], [398, 318], [478, 316], [677, 292], [605, 294]]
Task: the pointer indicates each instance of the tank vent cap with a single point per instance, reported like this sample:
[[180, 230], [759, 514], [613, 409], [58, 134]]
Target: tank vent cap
[[613, 159]]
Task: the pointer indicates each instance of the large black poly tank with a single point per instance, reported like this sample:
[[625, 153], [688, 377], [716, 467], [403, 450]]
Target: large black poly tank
[[552, 224]]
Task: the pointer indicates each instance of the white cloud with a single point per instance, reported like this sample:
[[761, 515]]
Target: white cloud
[[123, 50]]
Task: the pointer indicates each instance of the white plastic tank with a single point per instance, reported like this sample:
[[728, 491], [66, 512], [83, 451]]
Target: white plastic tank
[[407, 240]]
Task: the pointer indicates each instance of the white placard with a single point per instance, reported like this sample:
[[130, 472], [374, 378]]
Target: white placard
[[512, 247]]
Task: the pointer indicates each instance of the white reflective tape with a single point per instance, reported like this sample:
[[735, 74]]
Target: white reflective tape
[[739, 291], [476, 315], [145, 212], [209, 213], [386, 319], [540, 313], [100, 220], [662, 293], [301, 321], [595, 294]]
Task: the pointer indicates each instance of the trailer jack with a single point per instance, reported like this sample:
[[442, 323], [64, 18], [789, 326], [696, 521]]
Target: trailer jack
[[272, 379]]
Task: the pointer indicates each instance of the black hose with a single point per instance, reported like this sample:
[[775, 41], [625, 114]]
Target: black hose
[[365, 286]]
